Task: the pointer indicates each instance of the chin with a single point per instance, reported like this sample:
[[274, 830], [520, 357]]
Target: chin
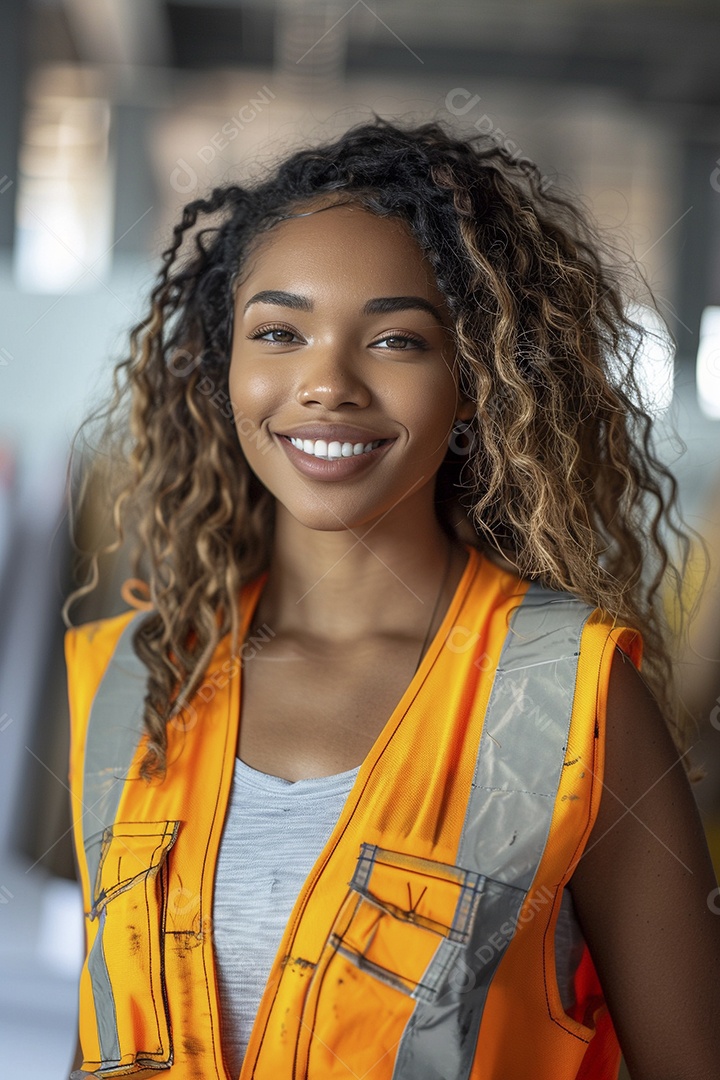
[[320, 518], [322, 522]]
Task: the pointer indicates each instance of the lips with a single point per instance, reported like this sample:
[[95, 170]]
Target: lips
[[334, 467]]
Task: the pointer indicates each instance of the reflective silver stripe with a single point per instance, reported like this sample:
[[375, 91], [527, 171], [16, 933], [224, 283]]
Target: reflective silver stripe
[[114, 728], [103, 997], [524, 738], [507, 822]]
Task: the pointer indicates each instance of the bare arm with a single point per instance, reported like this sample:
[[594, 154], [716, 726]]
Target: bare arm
[[646, 896]]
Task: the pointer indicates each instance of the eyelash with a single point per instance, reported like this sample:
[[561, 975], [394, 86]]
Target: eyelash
[[263, 330]]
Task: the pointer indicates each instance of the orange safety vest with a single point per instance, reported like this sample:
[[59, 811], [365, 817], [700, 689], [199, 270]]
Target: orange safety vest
[[434, 936]]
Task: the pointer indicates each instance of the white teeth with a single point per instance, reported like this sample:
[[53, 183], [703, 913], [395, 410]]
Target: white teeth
[[322, 449]]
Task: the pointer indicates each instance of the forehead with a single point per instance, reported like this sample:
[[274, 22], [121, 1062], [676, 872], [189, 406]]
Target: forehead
[[345, 245]]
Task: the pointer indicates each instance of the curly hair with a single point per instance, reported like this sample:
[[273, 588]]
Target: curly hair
[[561, 477]]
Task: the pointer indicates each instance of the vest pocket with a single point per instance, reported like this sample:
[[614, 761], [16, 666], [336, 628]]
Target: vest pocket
[[397, 945], [399, 910], [123, 983]]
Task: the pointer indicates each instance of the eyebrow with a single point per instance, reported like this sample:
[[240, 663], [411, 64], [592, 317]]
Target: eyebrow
[[381, 305]]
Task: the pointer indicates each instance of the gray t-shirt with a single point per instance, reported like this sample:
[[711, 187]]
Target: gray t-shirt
[[273, 834]]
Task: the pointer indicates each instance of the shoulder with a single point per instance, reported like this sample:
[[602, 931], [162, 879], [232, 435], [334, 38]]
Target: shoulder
[[88, 650], [647, 814], [639, 748]]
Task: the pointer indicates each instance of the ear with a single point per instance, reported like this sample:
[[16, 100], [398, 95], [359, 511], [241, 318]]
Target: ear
[[466, 408]]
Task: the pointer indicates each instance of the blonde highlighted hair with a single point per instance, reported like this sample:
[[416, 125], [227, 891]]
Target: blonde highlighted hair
[[560, 476]]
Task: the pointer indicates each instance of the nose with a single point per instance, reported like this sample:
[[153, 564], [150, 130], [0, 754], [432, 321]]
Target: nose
[[331, 379]]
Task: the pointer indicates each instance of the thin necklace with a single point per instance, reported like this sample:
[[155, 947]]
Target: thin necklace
[[437, 604]]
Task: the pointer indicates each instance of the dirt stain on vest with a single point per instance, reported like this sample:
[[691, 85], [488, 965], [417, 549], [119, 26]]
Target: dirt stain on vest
[[183, 941], [298, 962], [134, 939], [192, 1046], [465, 1017], [194, 1049]]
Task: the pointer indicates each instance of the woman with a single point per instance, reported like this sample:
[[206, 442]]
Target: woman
[[370, 785]]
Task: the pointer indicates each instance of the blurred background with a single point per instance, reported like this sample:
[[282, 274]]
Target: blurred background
[[115, 113]]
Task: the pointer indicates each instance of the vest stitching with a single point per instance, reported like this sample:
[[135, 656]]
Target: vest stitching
[[378, 971], [557, 1022], [162, 945], [217, 1048]]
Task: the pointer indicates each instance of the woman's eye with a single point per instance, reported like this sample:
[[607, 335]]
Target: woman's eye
[[273, 333], [403, 341]]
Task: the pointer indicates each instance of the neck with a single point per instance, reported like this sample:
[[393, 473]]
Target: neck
[[340, 587]]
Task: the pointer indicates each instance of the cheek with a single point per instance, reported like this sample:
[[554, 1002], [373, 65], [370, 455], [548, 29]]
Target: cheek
[[251, 389], [251, 402], [429, 405]]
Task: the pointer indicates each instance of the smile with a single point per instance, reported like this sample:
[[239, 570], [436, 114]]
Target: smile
[[322, 460], [321, 449]]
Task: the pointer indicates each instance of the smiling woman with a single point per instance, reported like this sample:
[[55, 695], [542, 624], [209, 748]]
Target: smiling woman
[[351, 374], [381, 423]]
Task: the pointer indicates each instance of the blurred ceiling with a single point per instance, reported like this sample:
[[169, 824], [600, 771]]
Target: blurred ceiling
[[622, 95], [663, 52]]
